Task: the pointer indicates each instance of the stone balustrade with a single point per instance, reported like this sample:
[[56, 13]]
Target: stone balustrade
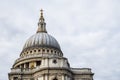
[[81, 70], [30, 70]]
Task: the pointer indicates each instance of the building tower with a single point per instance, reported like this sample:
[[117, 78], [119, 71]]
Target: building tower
[[42, 59]]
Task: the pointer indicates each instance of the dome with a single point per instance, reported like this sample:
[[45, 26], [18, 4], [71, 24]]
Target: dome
[[41, 40]]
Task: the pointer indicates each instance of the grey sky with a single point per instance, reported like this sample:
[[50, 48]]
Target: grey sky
[[87, 30]]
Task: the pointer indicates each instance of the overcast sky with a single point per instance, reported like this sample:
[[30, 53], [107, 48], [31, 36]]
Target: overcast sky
[[88, 32]]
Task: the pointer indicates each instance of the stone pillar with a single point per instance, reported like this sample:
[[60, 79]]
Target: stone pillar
[[25, 65], [63, 77]]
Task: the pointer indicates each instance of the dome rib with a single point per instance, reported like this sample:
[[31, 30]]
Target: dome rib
[[42, 40]]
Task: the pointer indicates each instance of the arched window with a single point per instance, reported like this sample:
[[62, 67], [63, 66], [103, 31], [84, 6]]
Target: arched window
[[55, 78]]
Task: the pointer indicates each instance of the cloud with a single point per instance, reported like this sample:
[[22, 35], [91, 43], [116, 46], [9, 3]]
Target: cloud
[[87, 30]]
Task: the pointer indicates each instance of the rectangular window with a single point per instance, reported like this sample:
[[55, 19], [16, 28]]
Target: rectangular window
[[38, 63], [22, 66], [27, 65]]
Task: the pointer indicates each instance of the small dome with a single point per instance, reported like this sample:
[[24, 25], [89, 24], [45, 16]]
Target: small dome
[[41, 40]]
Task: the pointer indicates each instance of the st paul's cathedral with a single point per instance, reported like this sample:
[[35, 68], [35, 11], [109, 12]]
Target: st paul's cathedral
[[42, 59]]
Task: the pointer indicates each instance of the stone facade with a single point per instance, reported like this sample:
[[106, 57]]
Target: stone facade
[[42, 59]]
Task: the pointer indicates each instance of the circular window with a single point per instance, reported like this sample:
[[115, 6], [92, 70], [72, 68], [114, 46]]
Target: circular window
[[39, 50], [34, 50], [54, 61], [47, 50], [30, 51], [51, 51]]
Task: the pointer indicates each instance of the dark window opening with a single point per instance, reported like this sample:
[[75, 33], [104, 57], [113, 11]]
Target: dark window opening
[[54, 61], [38, 50], [15, 78], [55, 51], [18, 66], [38, 63], [34, 50], [51, 50], [27, 65], [22, 66], [55, 78], [47, 50]]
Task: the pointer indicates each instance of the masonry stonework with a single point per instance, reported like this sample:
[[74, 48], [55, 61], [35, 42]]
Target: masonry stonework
[[42, 59]]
